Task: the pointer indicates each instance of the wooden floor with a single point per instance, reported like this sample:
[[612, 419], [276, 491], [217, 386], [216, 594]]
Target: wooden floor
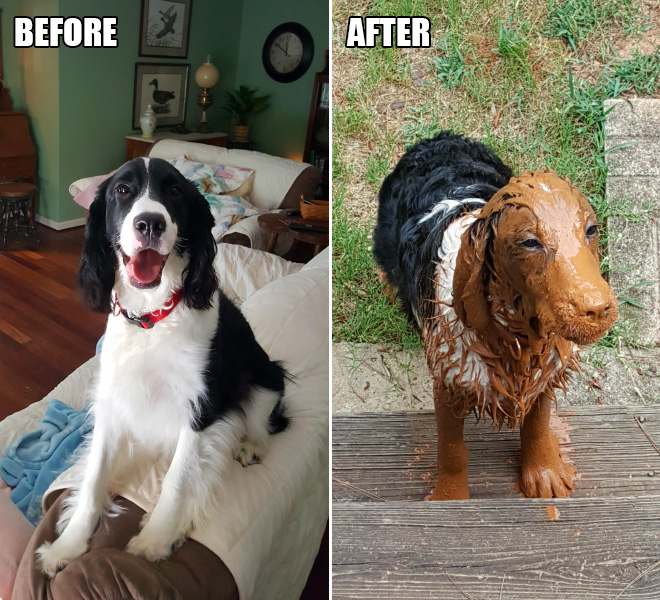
[[45, 334], [602, 543]]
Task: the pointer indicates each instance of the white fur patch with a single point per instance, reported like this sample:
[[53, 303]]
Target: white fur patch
[[475, 369], [447, 204]]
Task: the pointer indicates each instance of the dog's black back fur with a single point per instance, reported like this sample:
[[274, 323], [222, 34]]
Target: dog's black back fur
[[447, 166], [236, 364]]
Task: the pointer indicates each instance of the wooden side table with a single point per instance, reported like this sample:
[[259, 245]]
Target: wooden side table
[[278, 224], [240, 144], [136, 145]]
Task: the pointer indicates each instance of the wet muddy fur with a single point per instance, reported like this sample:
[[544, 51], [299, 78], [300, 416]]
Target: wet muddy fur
[[501, 277]]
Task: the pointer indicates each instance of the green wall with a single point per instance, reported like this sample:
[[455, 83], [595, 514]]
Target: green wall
[[282, 128], [13, 71], [80, 101], [96, 85]]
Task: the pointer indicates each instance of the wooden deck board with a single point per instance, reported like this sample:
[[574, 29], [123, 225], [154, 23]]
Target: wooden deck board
[[393, 456], [497, 549]]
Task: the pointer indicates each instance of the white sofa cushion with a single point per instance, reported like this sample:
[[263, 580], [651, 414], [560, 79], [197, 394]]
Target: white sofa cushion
[[273, 175]]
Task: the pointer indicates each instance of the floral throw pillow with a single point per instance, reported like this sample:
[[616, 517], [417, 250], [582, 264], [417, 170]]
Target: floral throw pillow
[[228, 210], [216, 179]]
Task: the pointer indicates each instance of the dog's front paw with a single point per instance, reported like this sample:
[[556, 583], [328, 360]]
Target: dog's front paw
[[150, 546], [249, 453], [555, 480], [544, 472], [54, 557]]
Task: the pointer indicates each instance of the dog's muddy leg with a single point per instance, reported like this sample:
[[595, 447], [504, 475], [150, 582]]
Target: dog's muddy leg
[[452, 454], [544, 473]]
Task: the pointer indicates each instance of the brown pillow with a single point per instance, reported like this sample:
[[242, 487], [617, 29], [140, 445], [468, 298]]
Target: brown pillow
[[305, 184]]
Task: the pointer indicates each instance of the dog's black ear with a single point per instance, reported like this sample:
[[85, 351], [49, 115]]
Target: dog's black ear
[[96, 274], [200, 280]]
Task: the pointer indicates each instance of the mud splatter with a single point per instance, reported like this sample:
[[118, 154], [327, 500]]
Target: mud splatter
[[553, 513]]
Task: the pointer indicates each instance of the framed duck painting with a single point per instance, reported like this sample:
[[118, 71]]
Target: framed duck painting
[[165, 87], [164, 28]]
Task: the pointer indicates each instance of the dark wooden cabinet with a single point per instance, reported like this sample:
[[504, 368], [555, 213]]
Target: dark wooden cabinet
[[317, 144], [17, 152]]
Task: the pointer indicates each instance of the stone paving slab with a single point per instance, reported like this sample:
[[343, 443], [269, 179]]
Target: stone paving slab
[[641, 157], [376, 378], [638, 117], [642, 192], [633, 171]]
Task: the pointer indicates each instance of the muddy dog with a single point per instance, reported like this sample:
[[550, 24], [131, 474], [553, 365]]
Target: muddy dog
[[501, 277]]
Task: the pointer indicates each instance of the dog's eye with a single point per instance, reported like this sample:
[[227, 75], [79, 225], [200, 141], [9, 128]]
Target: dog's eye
[[175, 190], [531, 243], [591, 230], [122, 188]]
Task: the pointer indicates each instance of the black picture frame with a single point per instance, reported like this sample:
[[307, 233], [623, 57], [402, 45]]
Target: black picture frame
[[173, 43], [176, 73], [308, 52]]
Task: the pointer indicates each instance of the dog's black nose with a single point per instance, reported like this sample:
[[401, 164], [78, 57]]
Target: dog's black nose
[[149, 225]]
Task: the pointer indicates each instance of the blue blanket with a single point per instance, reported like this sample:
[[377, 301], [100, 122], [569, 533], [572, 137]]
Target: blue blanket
[[35, 461]]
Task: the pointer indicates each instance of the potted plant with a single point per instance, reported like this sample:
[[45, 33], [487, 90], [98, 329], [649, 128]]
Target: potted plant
[[242, 104]]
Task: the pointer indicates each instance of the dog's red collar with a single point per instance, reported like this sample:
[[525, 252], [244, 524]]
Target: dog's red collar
[[150, 319]]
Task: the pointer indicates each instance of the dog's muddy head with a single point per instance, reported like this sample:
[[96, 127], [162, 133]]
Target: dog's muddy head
[[532, 257]]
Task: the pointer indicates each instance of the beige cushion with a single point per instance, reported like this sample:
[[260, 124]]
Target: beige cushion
[[245, 188]]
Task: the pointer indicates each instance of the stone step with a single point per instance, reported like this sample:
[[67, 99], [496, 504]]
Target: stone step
[[633, 170], [637, 117], [640, 157]]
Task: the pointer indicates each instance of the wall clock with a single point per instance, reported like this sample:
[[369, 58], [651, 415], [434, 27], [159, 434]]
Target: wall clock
[[288, 52]]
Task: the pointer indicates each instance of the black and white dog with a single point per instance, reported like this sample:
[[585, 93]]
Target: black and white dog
[[181, 371]]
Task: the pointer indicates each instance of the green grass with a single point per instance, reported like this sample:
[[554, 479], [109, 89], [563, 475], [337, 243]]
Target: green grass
[[575, 20], [513, 47], [450, 66], [640, 73], [362, 312], [379, 164], [504, 75]]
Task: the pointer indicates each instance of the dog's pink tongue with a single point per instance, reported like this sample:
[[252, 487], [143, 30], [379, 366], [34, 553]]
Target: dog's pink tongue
[[145, 266]]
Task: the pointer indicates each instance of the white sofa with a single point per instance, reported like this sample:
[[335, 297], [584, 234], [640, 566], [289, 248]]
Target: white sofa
[[269, 530]]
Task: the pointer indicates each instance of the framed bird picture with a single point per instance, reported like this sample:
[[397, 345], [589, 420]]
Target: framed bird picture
[[163, 86], [164, 28]]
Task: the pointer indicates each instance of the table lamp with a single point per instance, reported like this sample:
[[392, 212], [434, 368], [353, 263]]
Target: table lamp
[[205, 77]]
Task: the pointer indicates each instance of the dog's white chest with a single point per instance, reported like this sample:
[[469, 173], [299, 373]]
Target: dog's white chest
[[150, 380]]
